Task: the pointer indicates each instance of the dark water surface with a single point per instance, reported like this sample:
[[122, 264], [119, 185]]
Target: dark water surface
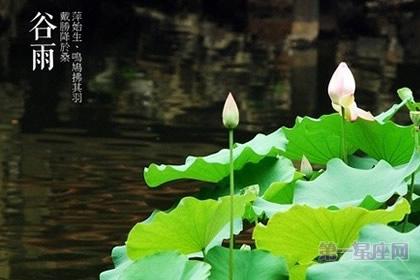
[[70, 175]]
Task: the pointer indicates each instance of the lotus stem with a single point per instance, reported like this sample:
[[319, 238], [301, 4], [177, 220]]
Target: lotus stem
[[343, 139], [409, 199], [232, 192], [230, 117], [413, 178]]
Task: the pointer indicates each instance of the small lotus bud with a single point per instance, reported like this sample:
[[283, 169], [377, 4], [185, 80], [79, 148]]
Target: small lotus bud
[[342, 86], [230, 113], [306, 167], [415, 117]]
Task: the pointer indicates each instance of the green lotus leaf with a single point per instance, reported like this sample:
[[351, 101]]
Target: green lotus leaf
[[341, 185], [263, 174], [248, 265], [279, 169], [300, 230], [388, 141], [393, 265], [161, 266], [320, 139], [213, 168], [192, 227]]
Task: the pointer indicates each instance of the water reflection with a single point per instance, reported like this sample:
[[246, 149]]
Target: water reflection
[[71, 186]]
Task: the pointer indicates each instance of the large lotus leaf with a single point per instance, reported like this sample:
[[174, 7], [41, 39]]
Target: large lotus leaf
[[248, 265], [391, 267], [320, 139], [213, 168], [341, 185], [279, 169], [299, 231], [263, 174], [192, 227], [387, 141], [317, 139], [161, 266]]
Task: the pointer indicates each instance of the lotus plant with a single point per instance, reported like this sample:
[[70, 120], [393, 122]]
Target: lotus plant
[[230, 118], [294, 214], [415, 118]]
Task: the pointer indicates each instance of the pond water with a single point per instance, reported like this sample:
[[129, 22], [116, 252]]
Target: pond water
[[155, 81]]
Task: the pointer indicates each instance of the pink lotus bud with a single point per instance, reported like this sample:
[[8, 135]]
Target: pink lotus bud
[[306, 167], [341, 91], [342, 86], [230, 113]]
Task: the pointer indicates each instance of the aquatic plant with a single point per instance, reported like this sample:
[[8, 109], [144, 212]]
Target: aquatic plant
[[230, 118], [356, 185]]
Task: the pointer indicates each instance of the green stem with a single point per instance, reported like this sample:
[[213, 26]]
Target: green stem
[[343, 139], [409, 199], [232, 192], [413, 177]]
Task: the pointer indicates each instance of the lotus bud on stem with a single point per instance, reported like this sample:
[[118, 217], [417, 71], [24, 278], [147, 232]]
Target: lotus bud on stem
[[230, 118], [230, 113], [341, 90], [415, 118]]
